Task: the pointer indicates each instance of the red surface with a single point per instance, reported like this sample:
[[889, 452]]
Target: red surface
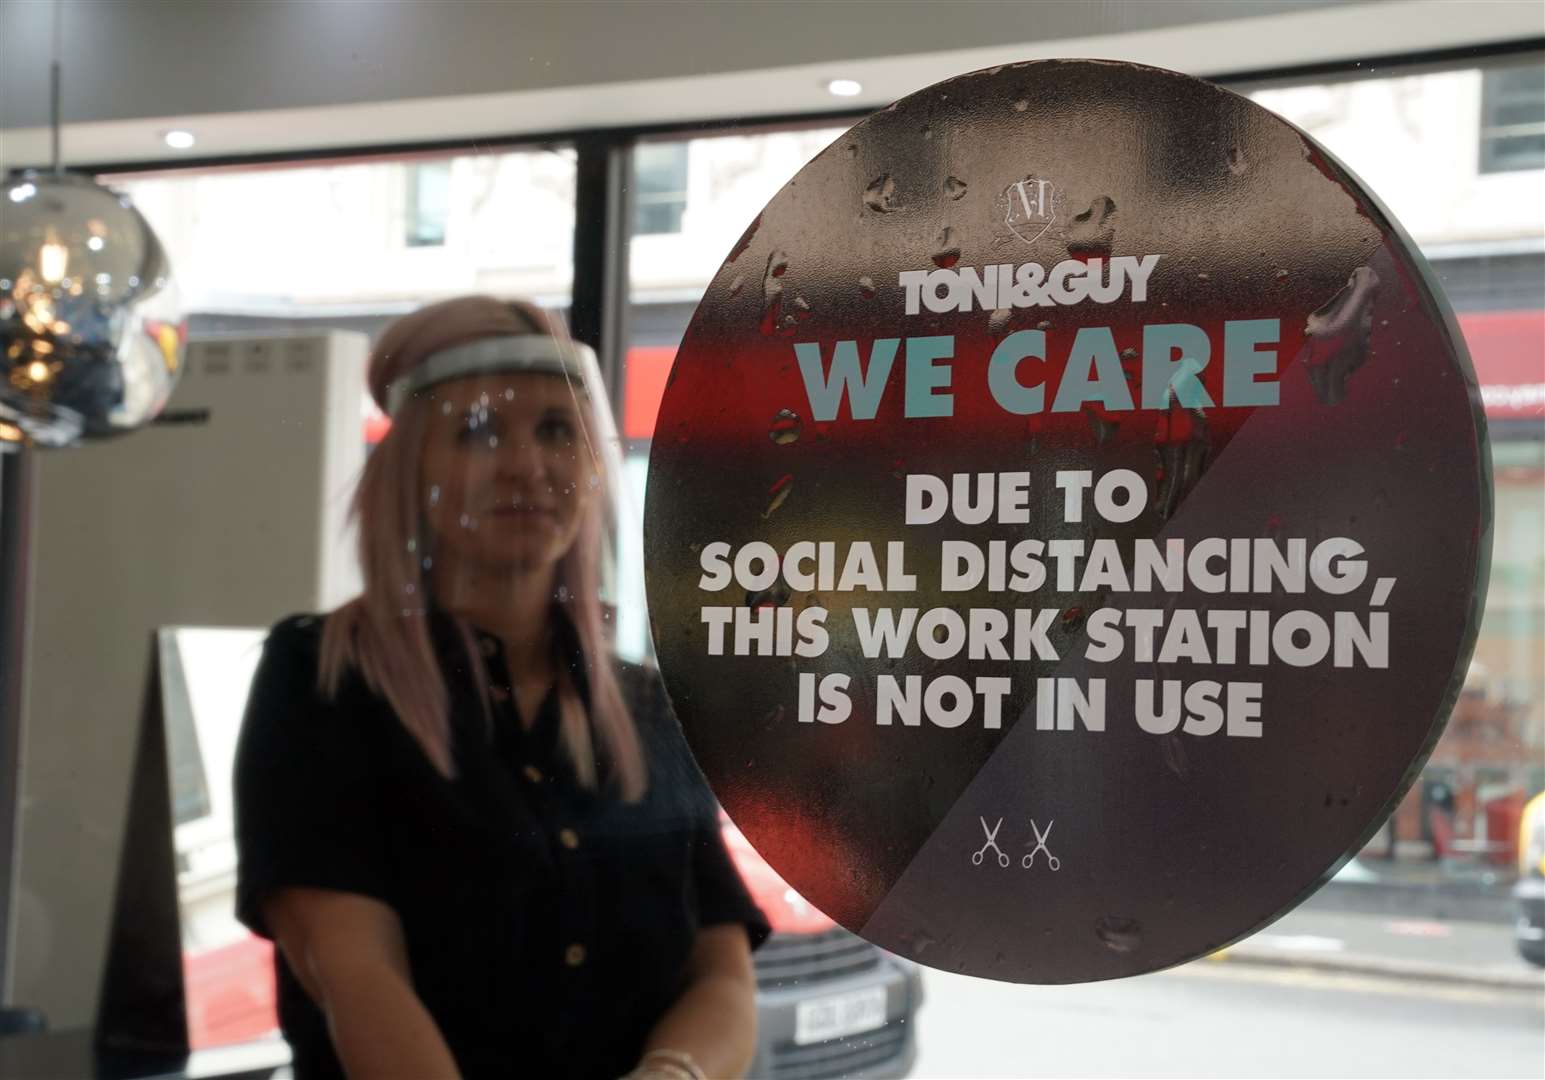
[[1508, 351], [377, 424], [645, 372], [786, 910], [230, 993], [1506, 347]]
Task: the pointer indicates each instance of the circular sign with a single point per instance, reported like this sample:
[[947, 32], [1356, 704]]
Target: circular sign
[[1067, 521]]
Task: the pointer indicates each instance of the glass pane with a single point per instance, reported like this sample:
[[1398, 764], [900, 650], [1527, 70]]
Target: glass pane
[[731, 179], [1513, 119], [428, 203], [1410, 960], [352, 245], [660, 186], [279, 257]]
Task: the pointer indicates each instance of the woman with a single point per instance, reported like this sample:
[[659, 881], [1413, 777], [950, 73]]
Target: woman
[[478, 840]]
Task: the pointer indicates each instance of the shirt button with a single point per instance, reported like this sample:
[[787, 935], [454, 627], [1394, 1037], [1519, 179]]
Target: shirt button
[[533, 774], [569, 839], [574, 955]]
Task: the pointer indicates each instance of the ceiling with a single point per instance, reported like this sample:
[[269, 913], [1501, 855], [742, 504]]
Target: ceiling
[[266, 76]]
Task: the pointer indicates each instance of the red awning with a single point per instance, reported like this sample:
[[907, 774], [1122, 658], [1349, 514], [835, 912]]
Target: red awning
[[1508, 351], [644, 373], [1507, 348]]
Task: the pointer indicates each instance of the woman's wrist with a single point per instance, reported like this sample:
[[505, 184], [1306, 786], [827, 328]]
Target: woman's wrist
[[664, 1064]]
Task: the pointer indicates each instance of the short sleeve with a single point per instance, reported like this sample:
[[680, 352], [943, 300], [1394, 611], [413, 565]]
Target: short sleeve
[[305, 784], [718, 875], [722, 896]]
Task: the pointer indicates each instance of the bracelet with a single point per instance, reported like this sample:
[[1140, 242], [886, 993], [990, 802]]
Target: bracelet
[[673, 1062]]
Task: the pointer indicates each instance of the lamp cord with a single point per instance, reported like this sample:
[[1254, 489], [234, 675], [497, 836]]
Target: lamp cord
[[53, 92]]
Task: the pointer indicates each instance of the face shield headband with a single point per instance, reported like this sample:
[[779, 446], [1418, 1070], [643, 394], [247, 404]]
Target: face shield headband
[[535, 354]]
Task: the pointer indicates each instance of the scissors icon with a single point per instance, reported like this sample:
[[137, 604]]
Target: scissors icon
[[1040, 845], [992, 842]]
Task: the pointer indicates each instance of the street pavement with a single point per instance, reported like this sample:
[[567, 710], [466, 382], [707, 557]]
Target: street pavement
[[1318, 993], [1448, 950]]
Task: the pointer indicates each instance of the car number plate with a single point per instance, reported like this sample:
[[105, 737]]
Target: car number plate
[[839, 1014]]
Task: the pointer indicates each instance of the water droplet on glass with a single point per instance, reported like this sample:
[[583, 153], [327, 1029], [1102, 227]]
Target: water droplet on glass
[[412, 545], [738, 284], [1044, 324], [786, 427], [1128, 355], [466, 521], [427, 563], [999, 318], [921, 942], [434, 495], [1204, 276], [1336, 336], [1021, 105], [775, 596], [1281, 275], [880, 196], [1175, 756], [866, 287], [1183, 442], [1092, 232], [947, 254], [745, 239], [1103, 429], [1118, 934], [927, 131], [772, 291], [801, 308], [446, 408], [954, 187], [1072, 620], [778, 493], [1236, 161]]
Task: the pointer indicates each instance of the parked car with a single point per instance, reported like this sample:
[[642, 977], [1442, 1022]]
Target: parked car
[[829, 1004], [1529, 930]]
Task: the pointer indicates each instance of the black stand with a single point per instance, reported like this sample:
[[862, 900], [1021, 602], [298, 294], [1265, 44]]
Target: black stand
[[142, 1007], [16, 513]]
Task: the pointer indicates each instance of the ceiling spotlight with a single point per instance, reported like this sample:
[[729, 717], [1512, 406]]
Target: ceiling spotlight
[[179, 140], [844, 87]]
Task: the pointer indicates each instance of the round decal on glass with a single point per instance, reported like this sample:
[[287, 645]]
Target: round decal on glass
[[1066, 522]]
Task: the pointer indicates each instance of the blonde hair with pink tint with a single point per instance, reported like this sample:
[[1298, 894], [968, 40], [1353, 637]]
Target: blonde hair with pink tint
[[384, 632]]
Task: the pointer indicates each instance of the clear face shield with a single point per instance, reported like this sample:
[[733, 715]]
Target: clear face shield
[[519, 448]]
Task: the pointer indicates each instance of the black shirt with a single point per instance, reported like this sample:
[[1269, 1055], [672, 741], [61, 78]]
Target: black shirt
[[547, 927]]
